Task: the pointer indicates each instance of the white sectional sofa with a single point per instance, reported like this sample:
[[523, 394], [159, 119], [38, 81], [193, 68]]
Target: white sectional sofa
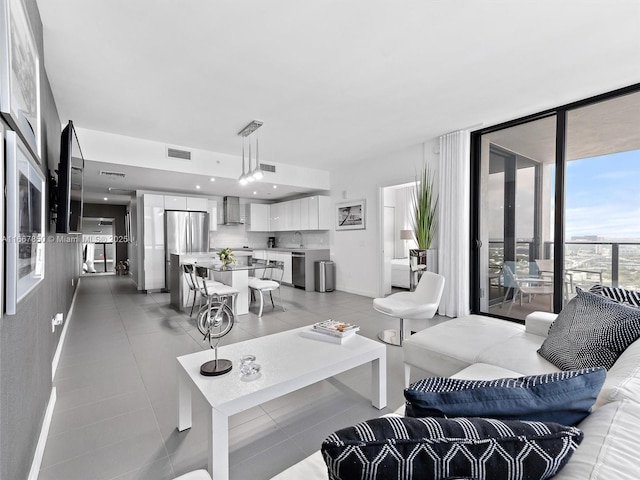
[[477, 347]]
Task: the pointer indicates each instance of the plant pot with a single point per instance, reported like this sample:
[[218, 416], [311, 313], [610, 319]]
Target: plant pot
[[421, 260]]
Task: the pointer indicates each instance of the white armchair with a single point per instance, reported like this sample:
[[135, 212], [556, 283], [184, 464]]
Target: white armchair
[[420, 304]]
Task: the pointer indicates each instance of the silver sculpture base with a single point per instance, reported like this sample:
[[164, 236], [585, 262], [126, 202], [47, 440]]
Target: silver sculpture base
[[390, 337]]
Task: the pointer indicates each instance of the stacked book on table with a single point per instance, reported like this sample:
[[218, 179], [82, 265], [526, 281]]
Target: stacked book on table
[[331, 331]]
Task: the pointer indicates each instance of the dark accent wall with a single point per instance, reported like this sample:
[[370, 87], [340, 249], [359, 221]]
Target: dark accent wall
[[118, 213], [27, 345]]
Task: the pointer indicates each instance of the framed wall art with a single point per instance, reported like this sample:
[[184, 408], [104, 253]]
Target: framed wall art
[[25, 222], [19, 74], [350, 215]]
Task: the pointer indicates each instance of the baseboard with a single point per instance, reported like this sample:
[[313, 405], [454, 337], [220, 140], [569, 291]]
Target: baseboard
[[354, 291], [56, 356], [42, 439]]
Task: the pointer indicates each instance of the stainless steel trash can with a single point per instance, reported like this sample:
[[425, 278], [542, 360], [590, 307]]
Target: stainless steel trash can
[[325, 276]]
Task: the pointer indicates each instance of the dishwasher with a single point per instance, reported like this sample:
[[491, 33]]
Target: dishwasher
[[297, 269]]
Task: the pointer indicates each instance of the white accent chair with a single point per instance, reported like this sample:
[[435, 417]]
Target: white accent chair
[[420, 304], [268, 278]]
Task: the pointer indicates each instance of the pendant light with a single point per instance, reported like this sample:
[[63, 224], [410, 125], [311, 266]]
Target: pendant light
[[257, 173], [249, 172], [243, 177]]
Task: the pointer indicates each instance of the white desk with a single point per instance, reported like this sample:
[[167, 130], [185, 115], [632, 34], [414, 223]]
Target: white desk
[[289, 362]]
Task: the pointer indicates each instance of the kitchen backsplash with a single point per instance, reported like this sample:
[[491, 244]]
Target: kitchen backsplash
[[237, 236]]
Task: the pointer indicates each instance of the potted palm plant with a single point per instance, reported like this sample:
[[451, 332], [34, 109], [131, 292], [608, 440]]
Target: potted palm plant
[[424, 221]]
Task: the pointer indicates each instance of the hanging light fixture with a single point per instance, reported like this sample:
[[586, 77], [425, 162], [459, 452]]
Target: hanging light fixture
[[256, 174], [243, 177], [249, 172]]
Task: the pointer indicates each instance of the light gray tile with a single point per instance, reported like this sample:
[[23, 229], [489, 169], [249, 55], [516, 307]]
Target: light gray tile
[[88, 414], [83, 440]]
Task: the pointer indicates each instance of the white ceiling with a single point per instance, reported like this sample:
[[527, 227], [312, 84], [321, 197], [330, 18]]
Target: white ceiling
[[333, 81]]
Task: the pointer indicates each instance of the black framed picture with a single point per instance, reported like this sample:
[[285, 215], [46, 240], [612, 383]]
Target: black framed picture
[[350, 215], [25, 222], [19, 74]]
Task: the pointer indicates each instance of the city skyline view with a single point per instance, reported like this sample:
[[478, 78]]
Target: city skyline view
[[602, 197]]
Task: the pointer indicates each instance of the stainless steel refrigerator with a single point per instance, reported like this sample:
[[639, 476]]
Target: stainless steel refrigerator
[[184, 232]]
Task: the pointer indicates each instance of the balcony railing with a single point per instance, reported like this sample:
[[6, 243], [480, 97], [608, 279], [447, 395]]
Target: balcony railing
[[618, 262]]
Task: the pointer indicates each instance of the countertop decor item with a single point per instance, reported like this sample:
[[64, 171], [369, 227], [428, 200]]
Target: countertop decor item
[[227, 257]]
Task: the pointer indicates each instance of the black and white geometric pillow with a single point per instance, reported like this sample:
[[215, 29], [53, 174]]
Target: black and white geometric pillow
[[620, 295], [403, 448], [590, 331]]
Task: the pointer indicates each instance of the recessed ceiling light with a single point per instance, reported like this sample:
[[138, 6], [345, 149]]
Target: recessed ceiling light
[[198, 187], [275, 186], [212, 179], [255, 193], [105, 199]]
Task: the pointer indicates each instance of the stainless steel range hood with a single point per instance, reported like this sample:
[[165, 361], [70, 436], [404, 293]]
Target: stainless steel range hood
[[232, 211]]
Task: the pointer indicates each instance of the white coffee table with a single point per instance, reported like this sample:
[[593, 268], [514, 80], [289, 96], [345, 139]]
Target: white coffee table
[[289, 362]]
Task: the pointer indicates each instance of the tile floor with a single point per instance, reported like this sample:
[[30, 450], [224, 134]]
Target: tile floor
[[116, 387]]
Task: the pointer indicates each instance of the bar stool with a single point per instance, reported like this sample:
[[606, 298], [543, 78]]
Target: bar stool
[[195, 285]]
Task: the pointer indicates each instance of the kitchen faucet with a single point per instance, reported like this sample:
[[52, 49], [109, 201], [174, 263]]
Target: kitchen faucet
[[294, 237]]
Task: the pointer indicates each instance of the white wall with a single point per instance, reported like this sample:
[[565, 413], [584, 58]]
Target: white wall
[[357, 253]]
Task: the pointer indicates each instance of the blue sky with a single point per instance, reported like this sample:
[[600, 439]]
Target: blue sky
[[603, 196]]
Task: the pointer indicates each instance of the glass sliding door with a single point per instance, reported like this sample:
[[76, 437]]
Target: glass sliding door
[[602, 196], [515, 218], [556, 205]]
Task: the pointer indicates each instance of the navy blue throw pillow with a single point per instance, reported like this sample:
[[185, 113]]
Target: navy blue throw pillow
[[403, 448], [563, 397]]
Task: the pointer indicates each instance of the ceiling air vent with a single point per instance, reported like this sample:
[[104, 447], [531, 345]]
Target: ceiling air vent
[[176, 153], [265, 167], [107, 173], [120, 191]]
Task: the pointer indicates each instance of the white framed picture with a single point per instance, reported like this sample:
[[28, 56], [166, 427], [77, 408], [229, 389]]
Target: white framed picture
[[350, 215], [25, 222], [19, 74]]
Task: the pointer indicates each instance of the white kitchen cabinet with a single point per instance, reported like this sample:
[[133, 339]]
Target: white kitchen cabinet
[[287, 275], [286, 216], [260, 254], [259, 217], [325, 213], [295, 214], [197, 204], [274, 215], [284, 257], [212, 208], [305, 217], [174, 202], [153, 242]]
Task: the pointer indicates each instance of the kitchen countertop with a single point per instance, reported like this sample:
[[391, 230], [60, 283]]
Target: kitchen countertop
[[275, 249]]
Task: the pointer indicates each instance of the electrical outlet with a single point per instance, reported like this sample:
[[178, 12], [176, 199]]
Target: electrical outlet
[[55, 321]]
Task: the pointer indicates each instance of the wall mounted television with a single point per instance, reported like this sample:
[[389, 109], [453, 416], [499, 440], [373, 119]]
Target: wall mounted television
[[70, 177]]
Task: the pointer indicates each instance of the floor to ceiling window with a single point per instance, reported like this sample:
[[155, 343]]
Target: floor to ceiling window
[[556, 206], [515, 217]]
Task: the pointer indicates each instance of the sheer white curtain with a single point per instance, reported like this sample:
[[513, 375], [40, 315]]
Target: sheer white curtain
[[453, 218]]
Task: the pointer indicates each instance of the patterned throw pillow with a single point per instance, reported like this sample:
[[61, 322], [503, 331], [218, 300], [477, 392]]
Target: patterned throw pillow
[[620, 295], [403, 448], [562, 397], [590, 331]]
